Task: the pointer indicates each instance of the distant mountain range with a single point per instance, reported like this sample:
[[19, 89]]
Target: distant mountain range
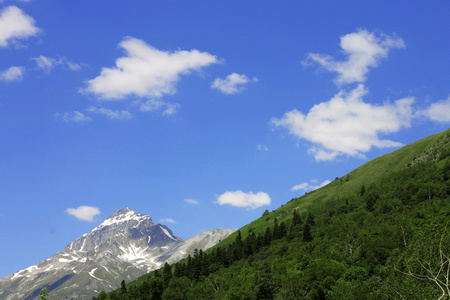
[[125, 246]]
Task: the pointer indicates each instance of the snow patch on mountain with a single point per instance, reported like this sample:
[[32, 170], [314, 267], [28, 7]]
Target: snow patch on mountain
[[124, 246]]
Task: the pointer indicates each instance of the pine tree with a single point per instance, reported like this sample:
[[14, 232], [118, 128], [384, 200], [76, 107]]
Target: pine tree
[[237, 247], [296, 219], [167, 273], [267, 237], [276, 230], [123, 287], [282, 231], [310, 219], [307, 236], [363, 190]]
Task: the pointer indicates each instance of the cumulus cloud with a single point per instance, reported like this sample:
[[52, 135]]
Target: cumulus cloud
[[146, 71], [191, 201], [48, 63], [363, 50], [309, 186], [84, 213], [74, 116], [241, 199], [15, 25], [167, 220], [439, 111], [232, 84], [347, 125], [111, 114], [13, 73]]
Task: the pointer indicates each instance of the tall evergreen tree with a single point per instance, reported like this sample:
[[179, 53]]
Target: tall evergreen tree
[[267, 237], [167, 273], [276, 229], [307, 236]]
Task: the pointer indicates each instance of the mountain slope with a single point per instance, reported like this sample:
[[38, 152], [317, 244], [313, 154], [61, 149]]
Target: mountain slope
[[426, 149], [388, 240], [123, 247]]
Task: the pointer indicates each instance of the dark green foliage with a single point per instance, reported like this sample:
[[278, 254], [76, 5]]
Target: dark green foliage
[[357, 246], [123, 287], [363, 190], [307, 235]]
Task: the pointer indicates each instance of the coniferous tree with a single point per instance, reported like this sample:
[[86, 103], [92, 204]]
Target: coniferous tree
[[167, 273], [296, 219], [282, 231], [267, 237], [237, 247], [310, 219], [276, 230], [362, 191], [307, 236], [123, 287]]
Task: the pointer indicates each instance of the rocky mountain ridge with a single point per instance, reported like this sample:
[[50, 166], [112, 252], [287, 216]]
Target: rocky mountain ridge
[[124, 246]]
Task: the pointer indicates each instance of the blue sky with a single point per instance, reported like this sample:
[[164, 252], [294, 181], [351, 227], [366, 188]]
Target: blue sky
[[202, 114]]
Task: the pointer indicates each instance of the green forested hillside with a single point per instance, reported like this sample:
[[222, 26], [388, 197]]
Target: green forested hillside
[[380, 232]]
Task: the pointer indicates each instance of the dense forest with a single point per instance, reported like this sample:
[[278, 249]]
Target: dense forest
[[389, 239]]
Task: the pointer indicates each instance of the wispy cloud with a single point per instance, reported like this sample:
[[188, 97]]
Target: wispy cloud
[[309, 186], [111, 114], [146, 71], [15, 25], [74, 116], [84, 213], [346, 125], [168, 220], [241, 199], [48, 63], [261, 147], [13, 73], [157, 104], [363, 50], [191, 201], [232, 84]]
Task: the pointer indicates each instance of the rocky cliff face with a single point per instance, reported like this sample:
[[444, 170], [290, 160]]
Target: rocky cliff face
[[123, 247]]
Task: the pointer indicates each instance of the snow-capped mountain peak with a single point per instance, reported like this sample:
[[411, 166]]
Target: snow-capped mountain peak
[[125, 216], [124, 246]]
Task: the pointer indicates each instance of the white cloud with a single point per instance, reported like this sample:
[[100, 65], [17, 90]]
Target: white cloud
[[439, 111], [261, 147], [167, 220], [191, 201], [232, 84], [84, 213], [47, 63], [363, 50], [241, 199], [111, 114], [74, 116], [12, 74], [171, 109], [347, 125], [153, 105], [306, 186], [146, 71], [15, 25]]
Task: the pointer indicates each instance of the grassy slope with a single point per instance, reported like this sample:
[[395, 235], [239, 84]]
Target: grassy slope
[[347, 185], [366, 174]]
